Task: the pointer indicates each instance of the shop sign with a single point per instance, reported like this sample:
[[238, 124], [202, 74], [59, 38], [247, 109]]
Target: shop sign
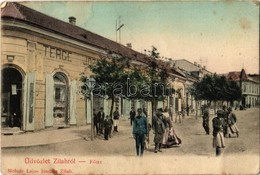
[[57, 53]]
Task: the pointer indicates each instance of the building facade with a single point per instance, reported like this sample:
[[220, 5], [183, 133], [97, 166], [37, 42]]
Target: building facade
[[249, 84], [42, 60]]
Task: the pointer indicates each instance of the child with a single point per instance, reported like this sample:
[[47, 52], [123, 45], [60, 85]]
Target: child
[[107, 127]]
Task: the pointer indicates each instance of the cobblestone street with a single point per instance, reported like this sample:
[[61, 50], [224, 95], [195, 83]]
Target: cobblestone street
[[196, 146]]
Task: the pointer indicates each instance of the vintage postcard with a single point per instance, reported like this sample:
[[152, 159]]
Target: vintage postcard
[[130, 87]]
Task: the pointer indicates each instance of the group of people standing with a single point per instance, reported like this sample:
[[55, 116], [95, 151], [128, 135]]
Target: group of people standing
[[224, 125], [164, 135], [103, 123]]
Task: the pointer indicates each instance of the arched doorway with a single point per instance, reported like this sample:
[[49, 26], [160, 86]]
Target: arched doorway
[[12, 84], [60, 108]]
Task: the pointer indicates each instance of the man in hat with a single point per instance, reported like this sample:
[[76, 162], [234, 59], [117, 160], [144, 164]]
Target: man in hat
[[116, 116], [140, 127], [132, 115], [159, 129], [100, 119], [218, 137]]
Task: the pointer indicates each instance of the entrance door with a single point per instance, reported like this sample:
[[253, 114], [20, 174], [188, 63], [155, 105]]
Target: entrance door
[[11, 95], [60, 106]]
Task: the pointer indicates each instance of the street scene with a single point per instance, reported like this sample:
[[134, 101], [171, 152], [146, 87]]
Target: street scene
[[130, 87], [194, 140]]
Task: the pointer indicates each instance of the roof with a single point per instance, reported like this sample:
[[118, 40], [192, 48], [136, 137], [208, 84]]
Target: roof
[[16, 11], [237, 75], [188, 66]]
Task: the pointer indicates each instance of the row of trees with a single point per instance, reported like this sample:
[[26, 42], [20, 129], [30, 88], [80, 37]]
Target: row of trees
[[216, 88], [116, 78]]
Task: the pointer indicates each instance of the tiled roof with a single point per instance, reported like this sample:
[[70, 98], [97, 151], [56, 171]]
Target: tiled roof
[[16, 11], [236, 76]]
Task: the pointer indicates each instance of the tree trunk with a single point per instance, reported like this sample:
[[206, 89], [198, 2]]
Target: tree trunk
[[196, 109], [154, 106], [112, 106], [215, 105]]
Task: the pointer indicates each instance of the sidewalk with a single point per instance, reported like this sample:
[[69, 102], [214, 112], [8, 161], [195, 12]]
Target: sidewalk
[[45, 137]]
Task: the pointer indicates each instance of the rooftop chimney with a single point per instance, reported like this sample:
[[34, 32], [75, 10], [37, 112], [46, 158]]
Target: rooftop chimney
[[72, 20], [129, 45]]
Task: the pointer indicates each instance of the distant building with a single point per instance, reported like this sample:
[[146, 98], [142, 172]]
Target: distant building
[[193, 73], [249, 84]]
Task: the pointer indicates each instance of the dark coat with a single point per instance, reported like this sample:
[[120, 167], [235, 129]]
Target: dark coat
[[159, 129], [140, 125], [107, 123], [95, 118], [116, 115], [205, 114], [100, 117], [132, 115], [217, 124]]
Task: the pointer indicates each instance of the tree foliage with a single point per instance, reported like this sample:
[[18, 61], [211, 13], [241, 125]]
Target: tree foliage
[[213, 88]]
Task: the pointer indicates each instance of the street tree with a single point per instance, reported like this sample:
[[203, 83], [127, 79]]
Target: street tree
[[215, 88], [110, 75]]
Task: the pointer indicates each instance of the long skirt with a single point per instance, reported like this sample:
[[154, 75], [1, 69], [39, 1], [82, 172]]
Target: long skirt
[[219, 140], [165, 136], [173, 139], [234, 128]]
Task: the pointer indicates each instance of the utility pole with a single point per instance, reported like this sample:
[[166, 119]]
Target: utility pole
[[118, 29]]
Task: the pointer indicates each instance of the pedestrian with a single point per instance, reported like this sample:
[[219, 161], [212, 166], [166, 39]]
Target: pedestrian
[[187, 110], [107, 125], [218, 137], [232, 126], [140, 130], [158, 130], [116, 116], [95, 118], [225, 121], [132, 115], [205, 117], [101, 117], [167, 125], [171, 112]]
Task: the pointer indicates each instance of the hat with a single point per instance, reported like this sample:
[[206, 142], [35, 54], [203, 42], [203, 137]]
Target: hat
[[139, 110], [220, 112]]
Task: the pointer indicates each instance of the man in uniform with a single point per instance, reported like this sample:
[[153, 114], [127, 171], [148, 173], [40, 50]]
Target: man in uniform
[[218, 137], [116, 116], [205, 117], [140, 127]]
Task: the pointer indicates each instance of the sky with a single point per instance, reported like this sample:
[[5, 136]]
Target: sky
[[223, 36]]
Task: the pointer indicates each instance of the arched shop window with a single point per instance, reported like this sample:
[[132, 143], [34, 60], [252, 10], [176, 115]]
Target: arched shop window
[[60, 109]]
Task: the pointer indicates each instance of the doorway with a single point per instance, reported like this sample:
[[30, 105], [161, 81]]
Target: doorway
[[60, 108], [11, 112]]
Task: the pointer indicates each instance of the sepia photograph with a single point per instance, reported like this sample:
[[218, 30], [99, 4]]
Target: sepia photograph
[[130, 87]]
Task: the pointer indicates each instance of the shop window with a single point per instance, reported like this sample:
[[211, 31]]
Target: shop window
[[61, 99]]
